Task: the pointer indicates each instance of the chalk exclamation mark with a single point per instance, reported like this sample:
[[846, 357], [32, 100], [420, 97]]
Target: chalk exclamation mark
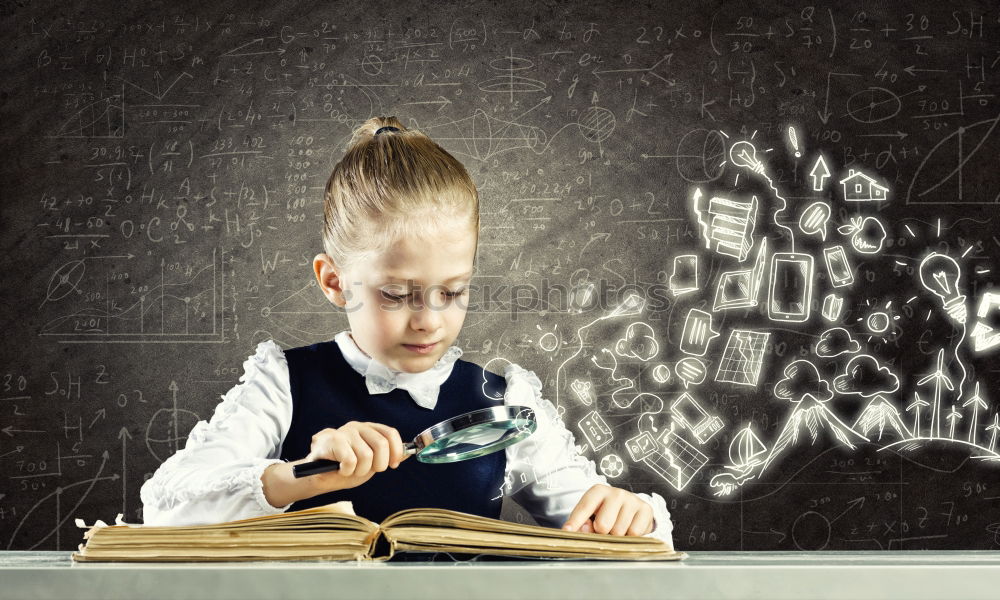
[[794, 139]]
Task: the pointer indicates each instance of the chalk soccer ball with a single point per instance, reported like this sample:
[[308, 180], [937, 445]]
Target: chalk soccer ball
[[612, 466]]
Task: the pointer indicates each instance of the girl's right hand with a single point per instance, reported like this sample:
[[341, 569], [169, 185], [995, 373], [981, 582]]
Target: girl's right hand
[[362, 449]]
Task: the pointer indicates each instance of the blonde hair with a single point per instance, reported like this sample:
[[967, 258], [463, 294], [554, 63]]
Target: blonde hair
[[389, 185]]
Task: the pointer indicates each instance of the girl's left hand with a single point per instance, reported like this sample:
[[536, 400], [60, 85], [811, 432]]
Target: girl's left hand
[[606, 509]]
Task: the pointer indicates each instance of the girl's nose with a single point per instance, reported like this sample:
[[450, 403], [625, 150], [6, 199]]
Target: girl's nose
[[426, 317]]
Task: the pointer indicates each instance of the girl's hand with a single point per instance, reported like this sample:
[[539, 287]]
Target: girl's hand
[[362, 449], [606, 509]]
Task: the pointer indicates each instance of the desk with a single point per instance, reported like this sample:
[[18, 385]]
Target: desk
[[771, 575]]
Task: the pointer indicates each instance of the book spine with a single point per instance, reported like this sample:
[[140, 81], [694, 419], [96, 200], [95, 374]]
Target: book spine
[[372, 541], [392, 548], [383, 546]]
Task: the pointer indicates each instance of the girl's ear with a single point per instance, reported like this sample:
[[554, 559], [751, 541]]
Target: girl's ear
[[328, 275]]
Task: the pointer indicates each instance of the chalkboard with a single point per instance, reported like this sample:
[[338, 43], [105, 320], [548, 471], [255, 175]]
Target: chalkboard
[[749, 250]]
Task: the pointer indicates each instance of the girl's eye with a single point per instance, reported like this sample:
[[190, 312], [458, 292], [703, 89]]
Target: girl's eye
[[396, 298]]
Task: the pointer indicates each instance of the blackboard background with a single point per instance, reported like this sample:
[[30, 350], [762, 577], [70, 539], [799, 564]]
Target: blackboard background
[[170, 161]]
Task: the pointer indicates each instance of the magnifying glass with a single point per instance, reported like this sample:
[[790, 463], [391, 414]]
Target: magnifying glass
[[469, 435]]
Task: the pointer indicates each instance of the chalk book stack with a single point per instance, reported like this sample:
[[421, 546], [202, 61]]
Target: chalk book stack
[[334, 532]]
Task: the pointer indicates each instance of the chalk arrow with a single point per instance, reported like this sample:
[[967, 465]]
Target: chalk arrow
[[9, 430], [857, 502], [819, 174], [912, 70], [102, 413]]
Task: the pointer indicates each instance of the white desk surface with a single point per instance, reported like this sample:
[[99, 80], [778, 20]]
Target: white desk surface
[[913, 575]]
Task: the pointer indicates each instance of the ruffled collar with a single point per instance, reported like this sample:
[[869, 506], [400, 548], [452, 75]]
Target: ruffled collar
[[423, 387]]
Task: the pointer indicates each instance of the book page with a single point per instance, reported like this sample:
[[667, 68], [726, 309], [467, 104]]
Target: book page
[[436, 530], [457, 520], [594, 543], [559, 553], [332, 529]]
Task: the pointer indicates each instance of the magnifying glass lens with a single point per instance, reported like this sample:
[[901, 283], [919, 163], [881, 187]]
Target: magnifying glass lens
[[476, 440]]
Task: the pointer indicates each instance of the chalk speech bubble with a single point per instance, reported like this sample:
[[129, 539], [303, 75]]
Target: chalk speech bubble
[[690, 371], [815, 219], [698, 333]]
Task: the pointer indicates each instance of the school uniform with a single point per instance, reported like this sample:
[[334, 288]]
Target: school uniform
[[285, 397]]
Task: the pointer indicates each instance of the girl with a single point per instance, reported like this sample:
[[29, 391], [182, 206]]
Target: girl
[[401, 228]]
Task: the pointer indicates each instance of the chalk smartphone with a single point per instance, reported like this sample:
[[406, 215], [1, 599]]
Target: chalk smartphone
[[791, 287], [839, 267]]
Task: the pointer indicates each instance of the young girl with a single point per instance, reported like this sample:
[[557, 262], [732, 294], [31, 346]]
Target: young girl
[[401, 228]]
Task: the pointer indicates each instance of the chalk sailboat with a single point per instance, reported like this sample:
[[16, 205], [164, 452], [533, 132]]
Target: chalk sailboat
[[746, 458], [745, 451]]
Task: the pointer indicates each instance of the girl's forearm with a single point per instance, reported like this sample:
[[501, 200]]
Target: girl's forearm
[[281, 487]]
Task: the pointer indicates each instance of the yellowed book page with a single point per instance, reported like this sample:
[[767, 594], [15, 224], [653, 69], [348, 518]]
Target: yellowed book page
[[539, 553], [302, 552], [339, 515], [334, 527], [484, 541], [228, 538], [394, 525]]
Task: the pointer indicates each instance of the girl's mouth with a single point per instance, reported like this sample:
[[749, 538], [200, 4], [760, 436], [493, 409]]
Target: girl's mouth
[[420, 349]]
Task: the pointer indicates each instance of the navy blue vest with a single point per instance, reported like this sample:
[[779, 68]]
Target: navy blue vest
[[327, 392]]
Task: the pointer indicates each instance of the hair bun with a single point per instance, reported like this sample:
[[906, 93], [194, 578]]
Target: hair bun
[[387, 128]]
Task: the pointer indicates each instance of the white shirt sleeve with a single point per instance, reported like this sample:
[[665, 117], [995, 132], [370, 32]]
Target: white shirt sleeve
[[546, 475], [216, 476]]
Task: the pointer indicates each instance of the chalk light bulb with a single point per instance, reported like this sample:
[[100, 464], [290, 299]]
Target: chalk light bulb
[[743, 154], [940, 273]]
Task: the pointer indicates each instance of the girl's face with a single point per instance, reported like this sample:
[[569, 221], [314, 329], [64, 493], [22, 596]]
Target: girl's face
[[407, 304]]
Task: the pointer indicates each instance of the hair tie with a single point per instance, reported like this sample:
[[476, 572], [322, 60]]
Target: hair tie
[[388, 128]]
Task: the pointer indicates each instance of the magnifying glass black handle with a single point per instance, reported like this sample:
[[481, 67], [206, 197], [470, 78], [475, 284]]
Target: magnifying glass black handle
[[315, 467], [323, 465]]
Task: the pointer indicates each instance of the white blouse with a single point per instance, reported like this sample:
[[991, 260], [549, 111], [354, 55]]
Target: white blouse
[[217, 475]]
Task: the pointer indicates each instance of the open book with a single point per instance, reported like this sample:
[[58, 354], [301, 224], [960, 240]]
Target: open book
[[334, 532]]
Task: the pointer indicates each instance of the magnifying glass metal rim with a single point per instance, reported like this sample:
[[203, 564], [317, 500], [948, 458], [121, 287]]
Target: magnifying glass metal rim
[[491, 414]]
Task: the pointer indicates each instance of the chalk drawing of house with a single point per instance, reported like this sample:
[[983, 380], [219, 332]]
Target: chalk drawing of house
[[859, 187]]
